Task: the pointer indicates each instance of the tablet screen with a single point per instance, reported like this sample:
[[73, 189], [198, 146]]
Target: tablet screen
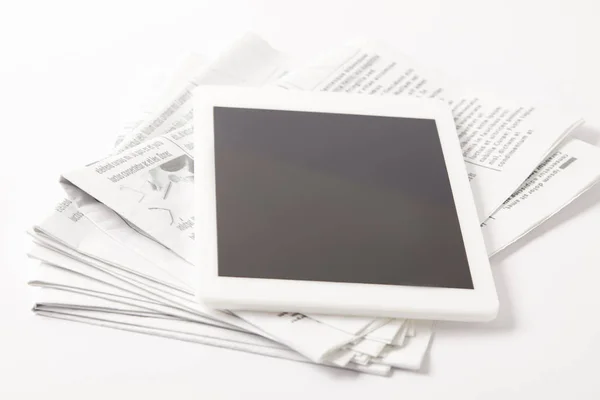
[[336, 198]]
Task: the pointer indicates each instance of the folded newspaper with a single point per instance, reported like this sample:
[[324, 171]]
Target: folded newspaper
[[117, 251]]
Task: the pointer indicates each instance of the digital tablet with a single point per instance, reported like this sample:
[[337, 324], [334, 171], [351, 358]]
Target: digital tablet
[[333, 203]]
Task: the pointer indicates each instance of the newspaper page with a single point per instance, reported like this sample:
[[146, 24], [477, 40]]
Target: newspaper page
[[571, 170], [154, 227], [250, 61], [144, 95], [501, 142]]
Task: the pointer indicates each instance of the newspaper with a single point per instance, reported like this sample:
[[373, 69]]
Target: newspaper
[[150, 184], [119, 252]]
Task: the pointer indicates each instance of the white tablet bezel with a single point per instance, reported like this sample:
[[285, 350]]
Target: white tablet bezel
[[478, 304]]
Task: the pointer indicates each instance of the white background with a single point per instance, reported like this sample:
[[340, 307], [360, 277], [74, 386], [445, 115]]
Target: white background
[[64, 70]]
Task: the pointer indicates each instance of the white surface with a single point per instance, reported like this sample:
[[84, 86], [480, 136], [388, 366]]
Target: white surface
[[63, 69], [358, 299]]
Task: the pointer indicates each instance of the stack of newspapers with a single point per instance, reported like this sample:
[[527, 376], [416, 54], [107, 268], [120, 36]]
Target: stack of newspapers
[[117, 251]]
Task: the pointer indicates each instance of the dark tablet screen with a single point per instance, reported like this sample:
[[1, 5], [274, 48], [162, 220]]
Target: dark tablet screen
[[334, 197]]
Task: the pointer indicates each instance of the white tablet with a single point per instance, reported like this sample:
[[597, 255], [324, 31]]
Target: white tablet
[[334, 203]]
